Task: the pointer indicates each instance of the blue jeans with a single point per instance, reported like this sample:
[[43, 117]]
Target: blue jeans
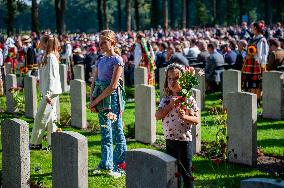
[[112, 133]]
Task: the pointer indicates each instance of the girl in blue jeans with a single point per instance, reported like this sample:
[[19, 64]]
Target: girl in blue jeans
[[107, 98]]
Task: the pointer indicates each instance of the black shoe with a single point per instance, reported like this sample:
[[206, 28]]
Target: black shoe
[[35, 147], [48, 148]]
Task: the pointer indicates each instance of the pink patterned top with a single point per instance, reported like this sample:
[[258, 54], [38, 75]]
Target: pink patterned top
[[175, 128]]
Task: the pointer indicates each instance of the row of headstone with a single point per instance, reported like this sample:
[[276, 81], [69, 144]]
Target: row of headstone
[[78, 99], [69, 157], [272, 88], [30, 96]]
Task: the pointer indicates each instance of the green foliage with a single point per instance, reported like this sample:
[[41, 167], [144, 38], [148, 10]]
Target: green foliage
[[253, 15], [217, 149], [202, 13]]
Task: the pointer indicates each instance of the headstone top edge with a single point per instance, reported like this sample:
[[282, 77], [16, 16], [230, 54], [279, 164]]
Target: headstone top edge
[[71, 134], [158, 154]]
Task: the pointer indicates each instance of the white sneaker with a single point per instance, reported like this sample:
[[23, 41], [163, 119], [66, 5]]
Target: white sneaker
[[115, 174], [98, 170]]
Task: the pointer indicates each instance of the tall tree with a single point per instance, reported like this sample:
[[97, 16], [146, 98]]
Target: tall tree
[[137, 14], [214, 12], [119, 15], [10, 18], [155, 14], [172, 14], [166, 15], [268, 15], [128, 15], [60, 8], [106, 20], [187, 13], [100, 14], [184, 13], [35, 22]]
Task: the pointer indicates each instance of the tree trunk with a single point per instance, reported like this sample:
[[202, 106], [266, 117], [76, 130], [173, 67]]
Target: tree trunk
[[268, 5], [10, 18], [35, 22], [214, 12], [106, 21], [172, 16], [187, 14], [183, 24], [137, 18], [128, 15], [155, 14], [119, 15], [166, 15], [100, 14], [60, 7]]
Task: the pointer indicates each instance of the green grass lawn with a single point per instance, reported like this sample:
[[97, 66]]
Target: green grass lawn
[[207, 174]]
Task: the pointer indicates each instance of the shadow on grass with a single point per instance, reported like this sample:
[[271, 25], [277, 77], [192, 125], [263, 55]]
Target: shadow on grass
[[270, 124], [271, 142]]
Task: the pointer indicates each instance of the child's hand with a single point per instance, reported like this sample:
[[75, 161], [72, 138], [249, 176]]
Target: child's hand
[[174, 102], [93, 106], [181, 114]]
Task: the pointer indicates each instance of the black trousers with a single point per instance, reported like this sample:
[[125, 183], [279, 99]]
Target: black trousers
[[182, 151]]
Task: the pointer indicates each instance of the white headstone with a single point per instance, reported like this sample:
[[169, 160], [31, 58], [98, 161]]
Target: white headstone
[[241, 123], [145, 108]]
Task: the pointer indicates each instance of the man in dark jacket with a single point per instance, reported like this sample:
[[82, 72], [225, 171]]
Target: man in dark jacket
[[214, 62], [161, 59], [89, 61]]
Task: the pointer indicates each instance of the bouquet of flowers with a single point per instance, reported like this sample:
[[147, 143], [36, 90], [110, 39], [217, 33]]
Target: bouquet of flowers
[[187, 81]]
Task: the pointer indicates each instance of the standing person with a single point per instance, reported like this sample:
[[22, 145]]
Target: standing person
[[144, 56], [107, 99], [276, 56], [50, 90], [241, 55], [1, 73], [255, 62], [177, 123], [29, 55], [90, 61]]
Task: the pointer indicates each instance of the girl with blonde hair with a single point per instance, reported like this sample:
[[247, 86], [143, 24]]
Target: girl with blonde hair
[[50, 90], [107, 99]]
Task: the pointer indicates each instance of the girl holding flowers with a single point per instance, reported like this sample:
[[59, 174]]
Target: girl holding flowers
[[179, 112], [107, 99]]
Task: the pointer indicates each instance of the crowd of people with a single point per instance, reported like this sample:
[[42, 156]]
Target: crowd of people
[[214, 49]]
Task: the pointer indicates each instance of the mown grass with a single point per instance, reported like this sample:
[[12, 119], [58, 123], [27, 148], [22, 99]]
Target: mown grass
[[207, 174]]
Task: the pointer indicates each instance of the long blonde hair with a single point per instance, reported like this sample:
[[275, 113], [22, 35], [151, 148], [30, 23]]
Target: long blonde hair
[[111, 36], [52, 46]]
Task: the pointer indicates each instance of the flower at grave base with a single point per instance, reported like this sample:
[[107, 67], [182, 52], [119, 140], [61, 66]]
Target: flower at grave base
[[216, 161], [58, 130]]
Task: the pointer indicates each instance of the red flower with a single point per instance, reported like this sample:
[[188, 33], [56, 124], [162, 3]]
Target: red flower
[[216, 161]]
